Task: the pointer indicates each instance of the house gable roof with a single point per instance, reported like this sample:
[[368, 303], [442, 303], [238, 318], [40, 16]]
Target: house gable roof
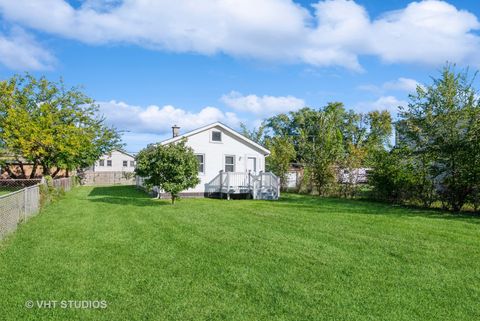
[[120, 151], [224, 127]]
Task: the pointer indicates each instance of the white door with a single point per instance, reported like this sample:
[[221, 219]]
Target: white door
[[252, 164]]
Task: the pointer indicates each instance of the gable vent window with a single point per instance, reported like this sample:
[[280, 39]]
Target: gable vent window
[[216, 136], [229, 163]]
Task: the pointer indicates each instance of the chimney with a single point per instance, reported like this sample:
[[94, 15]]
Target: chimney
[[175, 131]]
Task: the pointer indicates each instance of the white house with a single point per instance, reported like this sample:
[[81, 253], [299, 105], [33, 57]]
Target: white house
[[229, 163], [115, 161]]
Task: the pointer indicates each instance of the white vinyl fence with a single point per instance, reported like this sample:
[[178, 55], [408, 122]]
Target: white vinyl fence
[[20, 205]]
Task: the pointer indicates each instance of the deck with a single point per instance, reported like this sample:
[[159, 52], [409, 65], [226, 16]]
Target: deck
[[264, 185]]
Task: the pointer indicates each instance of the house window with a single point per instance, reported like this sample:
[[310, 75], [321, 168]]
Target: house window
[[101, 162], [216, 136], [229, 163], [109, 163], [125, 163], [201, 163], [132, 163]]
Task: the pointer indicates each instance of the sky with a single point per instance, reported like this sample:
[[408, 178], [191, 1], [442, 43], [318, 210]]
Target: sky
[[152, 64]]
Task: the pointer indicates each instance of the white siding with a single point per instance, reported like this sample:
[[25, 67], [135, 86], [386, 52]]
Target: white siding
[[215, 153], [117, 159]]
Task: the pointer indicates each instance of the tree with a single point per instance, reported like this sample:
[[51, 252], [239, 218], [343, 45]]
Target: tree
[[173, 167], [392, 178], [257, 134], [282, 152], [331, 141], [363, 135], [440, 129], [45, 124], [322, 150]]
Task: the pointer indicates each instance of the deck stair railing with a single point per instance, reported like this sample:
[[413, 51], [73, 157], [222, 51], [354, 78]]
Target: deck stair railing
[[264, 185]]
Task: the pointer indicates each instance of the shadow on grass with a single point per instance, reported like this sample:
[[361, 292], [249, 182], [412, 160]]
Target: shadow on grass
[[362, 206], [122, 195], [129, 195], [118, 191]]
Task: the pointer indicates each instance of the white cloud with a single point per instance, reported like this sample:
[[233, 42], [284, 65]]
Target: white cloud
[[402, 84], [371, 88], [154, 119], [20, 51], [389, 103], [336, 34], [427, 32], [262, 105]]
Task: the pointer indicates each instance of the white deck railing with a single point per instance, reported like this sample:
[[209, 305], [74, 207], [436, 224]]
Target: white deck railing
[[264, 185]]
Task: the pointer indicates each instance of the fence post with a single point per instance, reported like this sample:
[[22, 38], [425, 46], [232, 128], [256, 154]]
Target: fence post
[[25, 203], [251, 186], [261, 180], [279, 187], [228, 185], [221, 183]]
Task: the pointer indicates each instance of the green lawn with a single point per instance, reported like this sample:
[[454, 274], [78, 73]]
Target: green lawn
[[8, 190], [300, 258]]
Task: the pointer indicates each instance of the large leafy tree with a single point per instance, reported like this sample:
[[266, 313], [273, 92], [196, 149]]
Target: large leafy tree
[[256, 134], [282, 152], [393, 178], [321, 149], [331, 141], [172, 168], [48, 125], [296, 124], [45, 124], [440, 130], [363, 136]]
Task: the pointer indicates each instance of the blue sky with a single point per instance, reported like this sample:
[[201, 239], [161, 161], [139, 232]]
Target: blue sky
[[150, 65]]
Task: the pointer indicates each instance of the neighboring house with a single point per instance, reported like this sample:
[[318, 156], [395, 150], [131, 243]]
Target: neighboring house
[[116, 167], [229, 163], [356, 176], [17, 167], [296, 171], [294, 176], [115, 161]]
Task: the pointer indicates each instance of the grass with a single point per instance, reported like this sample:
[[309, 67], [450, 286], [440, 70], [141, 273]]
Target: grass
[[300, 258], [8, 190]]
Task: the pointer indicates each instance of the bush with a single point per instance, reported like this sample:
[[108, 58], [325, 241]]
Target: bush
[[48, 193]]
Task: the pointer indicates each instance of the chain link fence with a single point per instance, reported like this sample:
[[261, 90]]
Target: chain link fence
[[21, 199], [12, 185]]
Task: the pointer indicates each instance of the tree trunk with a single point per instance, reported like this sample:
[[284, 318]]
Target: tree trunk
[[173, 199], [9, 172], [45, 170], [56, 172], [67, 173], [20, 165], [34, 170]]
